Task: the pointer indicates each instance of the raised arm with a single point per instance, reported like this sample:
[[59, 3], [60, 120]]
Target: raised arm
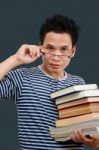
[[25, 55]]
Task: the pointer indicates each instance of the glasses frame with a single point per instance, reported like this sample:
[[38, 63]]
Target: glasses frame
[[53, 54]]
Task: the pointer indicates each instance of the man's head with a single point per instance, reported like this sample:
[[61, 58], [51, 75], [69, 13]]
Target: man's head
[[60, 24], [58, 36]]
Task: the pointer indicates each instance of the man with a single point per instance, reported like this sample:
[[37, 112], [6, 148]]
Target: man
[[30, 88]]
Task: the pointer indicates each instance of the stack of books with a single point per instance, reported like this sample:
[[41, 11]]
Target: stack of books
[[78, 107]]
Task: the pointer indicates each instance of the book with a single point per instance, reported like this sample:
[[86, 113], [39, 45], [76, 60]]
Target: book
[[77, 95], [79, 110], [76, 119], [61, 131], [88, 131], [78, 102], [72, 89]]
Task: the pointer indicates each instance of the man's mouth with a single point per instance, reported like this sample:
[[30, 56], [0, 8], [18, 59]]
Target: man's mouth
[[54, 66]]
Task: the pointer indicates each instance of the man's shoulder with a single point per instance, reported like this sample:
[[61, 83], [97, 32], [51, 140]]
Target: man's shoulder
[[76, 79]]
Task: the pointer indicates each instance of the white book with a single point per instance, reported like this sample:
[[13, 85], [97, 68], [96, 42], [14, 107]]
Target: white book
[[58, 132], [72, 89], [77, 95], [88, 131]]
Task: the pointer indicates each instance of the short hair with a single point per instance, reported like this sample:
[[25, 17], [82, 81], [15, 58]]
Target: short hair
[[60, 24]]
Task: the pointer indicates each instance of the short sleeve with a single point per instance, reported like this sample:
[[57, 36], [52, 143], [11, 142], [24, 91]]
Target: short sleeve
[[81, 80], [10, 85]]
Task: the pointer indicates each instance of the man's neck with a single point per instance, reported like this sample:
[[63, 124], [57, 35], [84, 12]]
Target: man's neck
[[55, 75]]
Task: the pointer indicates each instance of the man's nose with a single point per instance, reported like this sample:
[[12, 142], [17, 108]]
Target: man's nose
[[56, 57]]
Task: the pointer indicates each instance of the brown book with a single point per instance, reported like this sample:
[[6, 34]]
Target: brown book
[[78, 102], [76, 119], [79, 110]]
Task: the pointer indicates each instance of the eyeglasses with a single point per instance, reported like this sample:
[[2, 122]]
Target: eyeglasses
[[50, 51]]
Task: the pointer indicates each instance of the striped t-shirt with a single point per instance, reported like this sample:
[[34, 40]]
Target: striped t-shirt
[[30, 88]]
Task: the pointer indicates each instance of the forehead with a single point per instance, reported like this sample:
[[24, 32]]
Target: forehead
[[57, 38]]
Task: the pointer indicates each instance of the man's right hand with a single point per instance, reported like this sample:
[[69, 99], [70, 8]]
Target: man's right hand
[[27, 54]]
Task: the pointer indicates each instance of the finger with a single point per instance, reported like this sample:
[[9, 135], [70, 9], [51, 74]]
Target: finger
[[85, 139], [79, 136], [35, 51], [76, 137], [90, 141], [95, 137], [24, 50], [38, 51]]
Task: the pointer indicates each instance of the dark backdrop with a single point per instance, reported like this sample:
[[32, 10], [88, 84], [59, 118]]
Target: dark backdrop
[[20, 22]]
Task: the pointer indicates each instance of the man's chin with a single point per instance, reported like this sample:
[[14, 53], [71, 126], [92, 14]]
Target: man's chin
[[55, 70]]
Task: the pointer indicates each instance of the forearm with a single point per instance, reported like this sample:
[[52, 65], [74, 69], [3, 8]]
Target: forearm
[[26, 54], [8, 65]]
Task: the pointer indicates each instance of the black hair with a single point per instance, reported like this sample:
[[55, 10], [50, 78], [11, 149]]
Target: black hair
[[60, 24]]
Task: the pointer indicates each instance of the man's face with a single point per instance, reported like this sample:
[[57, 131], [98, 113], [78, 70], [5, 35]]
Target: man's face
[[57, 47]]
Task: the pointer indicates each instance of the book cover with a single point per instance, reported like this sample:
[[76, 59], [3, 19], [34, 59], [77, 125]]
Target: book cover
[[72, 89]]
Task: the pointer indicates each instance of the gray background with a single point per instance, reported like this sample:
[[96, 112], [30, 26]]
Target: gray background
[[20, 22]]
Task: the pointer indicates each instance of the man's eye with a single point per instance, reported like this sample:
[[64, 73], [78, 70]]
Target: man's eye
[[64, 49], [49, 48]]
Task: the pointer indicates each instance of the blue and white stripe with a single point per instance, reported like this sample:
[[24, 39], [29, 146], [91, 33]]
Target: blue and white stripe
[[31, 89]]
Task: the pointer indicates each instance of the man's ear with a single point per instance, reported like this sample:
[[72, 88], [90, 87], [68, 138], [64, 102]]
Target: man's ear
[[73, 51]]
